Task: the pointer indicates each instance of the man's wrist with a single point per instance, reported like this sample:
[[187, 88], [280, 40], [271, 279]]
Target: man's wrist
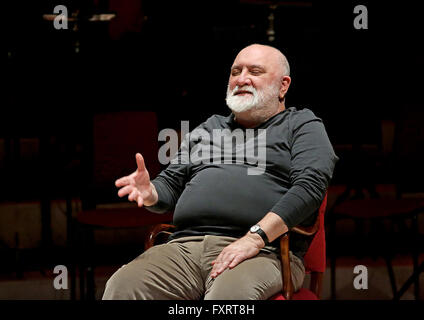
[[259, 231], [154, 197], [257, 239]]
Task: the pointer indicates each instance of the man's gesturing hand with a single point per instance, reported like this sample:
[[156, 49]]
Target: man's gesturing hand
[[138, 185], [233, 254]]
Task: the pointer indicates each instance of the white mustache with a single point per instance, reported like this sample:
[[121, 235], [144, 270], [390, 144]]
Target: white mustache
[[249, 89]]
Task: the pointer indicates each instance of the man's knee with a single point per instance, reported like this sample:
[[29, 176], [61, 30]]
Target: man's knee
[[121, 286], [224, 291], [229, 288], [130, 282], [152, 275]]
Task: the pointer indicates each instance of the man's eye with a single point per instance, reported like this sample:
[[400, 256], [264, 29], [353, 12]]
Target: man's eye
[[256, 72], [235, 72]]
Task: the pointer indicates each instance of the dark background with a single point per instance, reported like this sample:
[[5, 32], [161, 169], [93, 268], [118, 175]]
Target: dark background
[[174, 57]]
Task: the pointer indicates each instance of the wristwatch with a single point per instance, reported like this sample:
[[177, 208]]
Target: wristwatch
[[257, 229]]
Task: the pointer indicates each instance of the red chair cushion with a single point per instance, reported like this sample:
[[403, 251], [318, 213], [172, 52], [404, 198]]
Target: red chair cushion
[[278, 296], [302, 294], [122, 217]]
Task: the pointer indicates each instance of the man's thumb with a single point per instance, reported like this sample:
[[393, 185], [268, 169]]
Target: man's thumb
[[140, 162]]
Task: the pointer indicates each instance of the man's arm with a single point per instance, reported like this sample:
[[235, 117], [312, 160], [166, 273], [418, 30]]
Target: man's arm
[[313, 161], [312, 165]]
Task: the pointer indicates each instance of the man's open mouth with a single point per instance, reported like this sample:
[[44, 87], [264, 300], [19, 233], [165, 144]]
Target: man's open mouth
[[242, 92]]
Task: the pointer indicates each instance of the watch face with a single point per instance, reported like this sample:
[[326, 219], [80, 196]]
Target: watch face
[[254, 228]]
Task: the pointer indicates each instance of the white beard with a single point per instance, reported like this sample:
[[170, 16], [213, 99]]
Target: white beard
[[258, 99], [241, 103]]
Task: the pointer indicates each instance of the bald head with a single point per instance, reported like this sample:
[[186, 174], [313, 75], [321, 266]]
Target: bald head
[[271, 55]]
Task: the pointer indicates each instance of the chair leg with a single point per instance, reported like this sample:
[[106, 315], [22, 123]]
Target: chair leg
[[380, 241], [333, 277], [72, 273], [417, 269], [91, 289], [82, 280], [83, 256], [72, 245], [415, 255], [413, 278], [82, 259], [391, 273], [85, 261]]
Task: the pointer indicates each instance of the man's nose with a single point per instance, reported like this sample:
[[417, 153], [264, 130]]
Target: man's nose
[[243, 79]]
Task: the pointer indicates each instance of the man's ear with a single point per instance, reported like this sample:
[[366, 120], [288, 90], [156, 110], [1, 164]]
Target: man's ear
[[285, 84]]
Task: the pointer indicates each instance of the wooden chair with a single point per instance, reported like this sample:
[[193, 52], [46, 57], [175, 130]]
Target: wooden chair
[[314, 259]]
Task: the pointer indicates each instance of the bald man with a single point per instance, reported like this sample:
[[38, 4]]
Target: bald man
[[227, 219]]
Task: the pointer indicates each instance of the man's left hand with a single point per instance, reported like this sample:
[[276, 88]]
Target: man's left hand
[[240, 250]]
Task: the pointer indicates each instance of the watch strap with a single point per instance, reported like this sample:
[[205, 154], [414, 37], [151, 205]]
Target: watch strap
[[263, 235]]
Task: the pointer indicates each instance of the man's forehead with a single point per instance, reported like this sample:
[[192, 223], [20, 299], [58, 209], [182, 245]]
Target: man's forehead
[[256, 55], [252, 66]]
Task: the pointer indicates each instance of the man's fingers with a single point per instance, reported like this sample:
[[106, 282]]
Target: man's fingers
[[218, 268], [125, 190], [122, 182], [140, 162], [219, 265], [133, 195], [224, 265], [140, 201], [235, 261]]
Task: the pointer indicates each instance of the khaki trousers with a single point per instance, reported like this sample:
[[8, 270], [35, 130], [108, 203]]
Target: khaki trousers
[[180, 269]]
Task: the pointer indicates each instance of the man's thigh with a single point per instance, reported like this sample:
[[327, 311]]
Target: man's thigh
[[168, 271], [257, 278]]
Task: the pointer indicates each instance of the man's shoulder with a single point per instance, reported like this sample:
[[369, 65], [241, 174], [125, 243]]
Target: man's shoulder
[[301, 116], [216, 121], [302, 113]]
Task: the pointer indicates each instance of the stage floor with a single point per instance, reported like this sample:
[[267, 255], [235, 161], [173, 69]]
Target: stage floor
[[35, 285]]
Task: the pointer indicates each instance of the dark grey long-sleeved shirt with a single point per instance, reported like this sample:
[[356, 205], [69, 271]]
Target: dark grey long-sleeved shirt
[[217, 194]]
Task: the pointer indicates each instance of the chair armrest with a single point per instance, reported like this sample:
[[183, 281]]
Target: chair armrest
[[285, 257], [307, 231], [154, 231], [285, 267]]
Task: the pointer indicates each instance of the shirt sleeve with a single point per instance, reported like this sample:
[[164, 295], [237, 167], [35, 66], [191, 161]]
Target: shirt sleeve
[[171, 182], [312, 164]]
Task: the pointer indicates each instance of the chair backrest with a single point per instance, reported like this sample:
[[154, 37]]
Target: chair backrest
[[315, 257], [117, 137]]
